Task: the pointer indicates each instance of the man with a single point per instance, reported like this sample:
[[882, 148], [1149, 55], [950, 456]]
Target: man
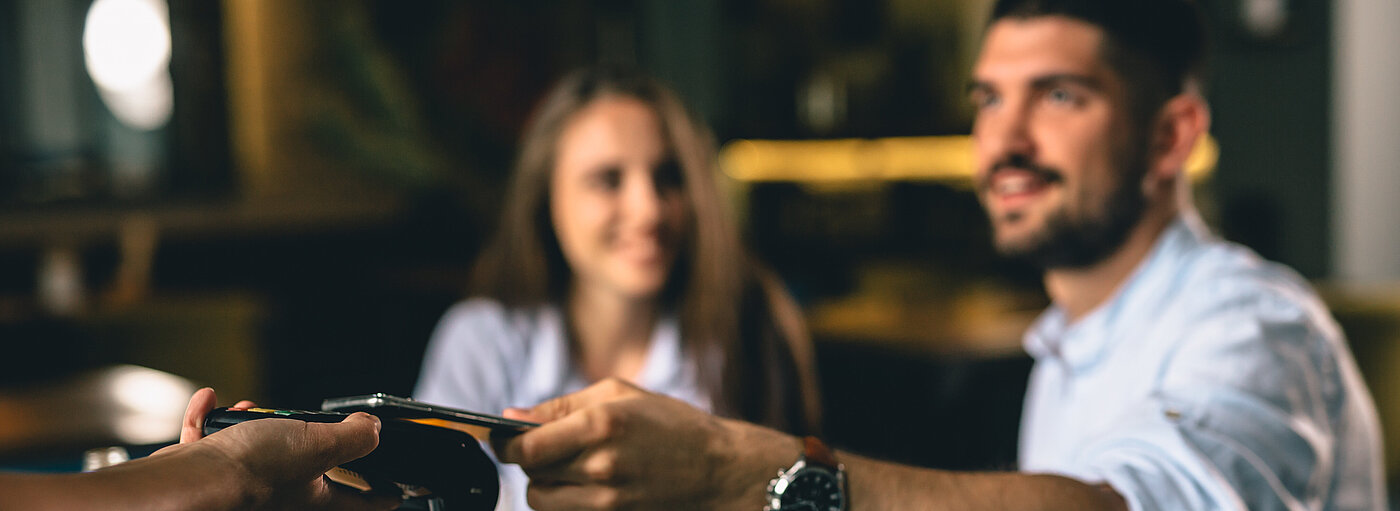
[[262, 465], [1173, 371]]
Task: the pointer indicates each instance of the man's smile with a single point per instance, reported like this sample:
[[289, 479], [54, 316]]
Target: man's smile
[[1013, 182]]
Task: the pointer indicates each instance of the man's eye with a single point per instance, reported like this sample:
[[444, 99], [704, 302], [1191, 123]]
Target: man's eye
[[985, 100], [1062, 96]]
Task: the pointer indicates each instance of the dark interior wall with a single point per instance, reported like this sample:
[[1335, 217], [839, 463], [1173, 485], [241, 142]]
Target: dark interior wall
[[1271, 103], [683, 44]]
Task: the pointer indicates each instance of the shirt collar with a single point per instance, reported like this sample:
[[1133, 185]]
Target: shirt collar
[[1083, 343]]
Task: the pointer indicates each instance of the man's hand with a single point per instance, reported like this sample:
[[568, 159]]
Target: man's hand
[[270, 464], [614, 446]]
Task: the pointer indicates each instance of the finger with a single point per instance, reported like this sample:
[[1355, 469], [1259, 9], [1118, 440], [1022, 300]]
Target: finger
[[200, 404], [597, 466], [341, 498], [604, 391], [245, 404], [560, 440], [593, 466], [569, 496], [522, 414], [337, 443]]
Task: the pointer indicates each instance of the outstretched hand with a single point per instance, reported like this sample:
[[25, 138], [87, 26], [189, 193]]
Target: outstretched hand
[[615, 446], [280, 463]]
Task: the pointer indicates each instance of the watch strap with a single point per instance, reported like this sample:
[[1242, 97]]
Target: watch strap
[[817, 452]]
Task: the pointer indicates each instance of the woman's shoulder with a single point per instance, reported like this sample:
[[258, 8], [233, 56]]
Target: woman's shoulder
[[477, 310]]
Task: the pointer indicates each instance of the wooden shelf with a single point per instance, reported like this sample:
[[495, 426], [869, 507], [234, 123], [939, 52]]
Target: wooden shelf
[[81, 226]]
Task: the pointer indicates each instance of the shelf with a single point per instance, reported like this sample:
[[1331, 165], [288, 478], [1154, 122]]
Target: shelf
[[81, 226]]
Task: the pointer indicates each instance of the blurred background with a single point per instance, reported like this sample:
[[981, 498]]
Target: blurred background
[[279, 198]]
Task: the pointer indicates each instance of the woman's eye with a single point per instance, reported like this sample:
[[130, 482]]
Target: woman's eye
[[607, 179]]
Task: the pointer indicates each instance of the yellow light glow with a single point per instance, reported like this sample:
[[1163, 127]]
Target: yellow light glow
[[948, 159]]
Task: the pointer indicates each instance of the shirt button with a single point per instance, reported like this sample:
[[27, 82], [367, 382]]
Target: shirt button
[[1173, 414]]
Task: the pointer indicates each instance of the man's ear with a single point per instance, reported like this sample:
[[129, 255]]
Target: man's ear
[[1179, 125]]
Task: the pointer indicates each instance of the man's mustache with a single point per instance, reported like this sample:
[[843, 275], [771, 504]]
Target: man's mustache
[[1020, 163]]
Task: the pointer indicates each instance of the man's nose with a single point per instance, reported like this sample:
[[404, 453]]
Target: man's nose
[[1006, 135]]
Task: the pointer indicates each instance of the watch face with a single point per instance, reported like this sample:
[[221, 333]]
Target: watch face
[[817, 490]]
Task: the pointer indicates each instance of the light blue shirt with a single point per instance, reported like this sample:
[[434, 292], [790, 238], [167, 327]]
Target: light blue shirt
[[1212, 379]]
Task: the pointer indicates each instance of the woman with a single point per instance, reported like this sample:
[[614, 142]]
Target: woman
[[614, 259]]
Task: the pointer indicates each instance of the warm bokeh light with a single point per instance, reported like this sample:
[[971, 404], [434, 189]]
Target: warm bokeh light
[[126, 42], [126, 45], [947, 158], [152, 404]]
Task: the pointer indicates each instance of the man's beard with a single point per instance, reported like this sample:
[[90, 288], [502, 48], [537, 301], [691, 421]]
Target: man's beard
[[1073, 243]]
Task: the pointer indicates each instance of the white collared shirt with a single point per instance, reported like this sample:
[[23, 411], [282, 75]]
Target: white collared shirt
[[1211, 380]]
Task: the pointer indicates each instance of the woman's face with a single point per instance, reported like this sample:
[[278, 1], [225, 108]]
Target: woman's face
[[617, 202]]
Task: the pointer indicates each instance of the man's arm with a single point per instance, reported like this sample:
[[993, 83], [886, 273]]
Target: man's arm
[[613, 446], [880, 485], [264, 464], [179, 481]]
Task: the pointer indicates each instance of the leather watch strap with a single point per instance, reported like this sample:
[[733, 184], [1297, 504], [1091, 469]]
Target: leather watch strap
[[817, 452]]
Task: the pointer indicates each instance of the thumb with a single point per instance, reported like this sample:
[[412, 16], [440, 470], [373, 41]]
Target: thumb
[[192, 428], [340, 498], [604, 391], [335, 444], [527, 414]]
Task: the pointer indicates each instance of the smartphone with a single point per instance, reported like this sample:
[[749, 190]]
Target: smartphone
[[479, 425]]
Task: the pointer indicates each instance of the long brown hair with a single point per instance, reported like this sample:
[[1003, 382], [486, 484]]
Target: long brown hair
[[762, 369]]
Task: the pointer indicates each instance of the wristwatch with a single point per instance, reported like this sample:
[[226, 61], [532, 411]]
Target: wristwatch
[[815, 483]]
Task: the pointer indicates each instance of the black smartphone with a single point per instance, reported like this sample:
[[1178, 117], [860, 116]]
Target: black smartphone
[[413, 461], [479, 425]]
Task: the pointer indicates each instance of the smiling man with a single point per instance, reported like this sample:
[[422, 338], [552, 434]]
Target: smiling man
[[1173, 370]]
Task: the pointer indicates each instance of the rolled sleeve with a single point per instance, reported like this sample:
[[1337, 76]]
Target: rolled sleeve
[[1241, 418], [1212, 380], [1217, 454]]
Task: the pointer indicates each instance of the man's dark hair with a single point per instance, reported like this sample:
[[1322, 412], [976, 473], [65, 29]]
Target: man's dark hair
[[1158, 46]]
